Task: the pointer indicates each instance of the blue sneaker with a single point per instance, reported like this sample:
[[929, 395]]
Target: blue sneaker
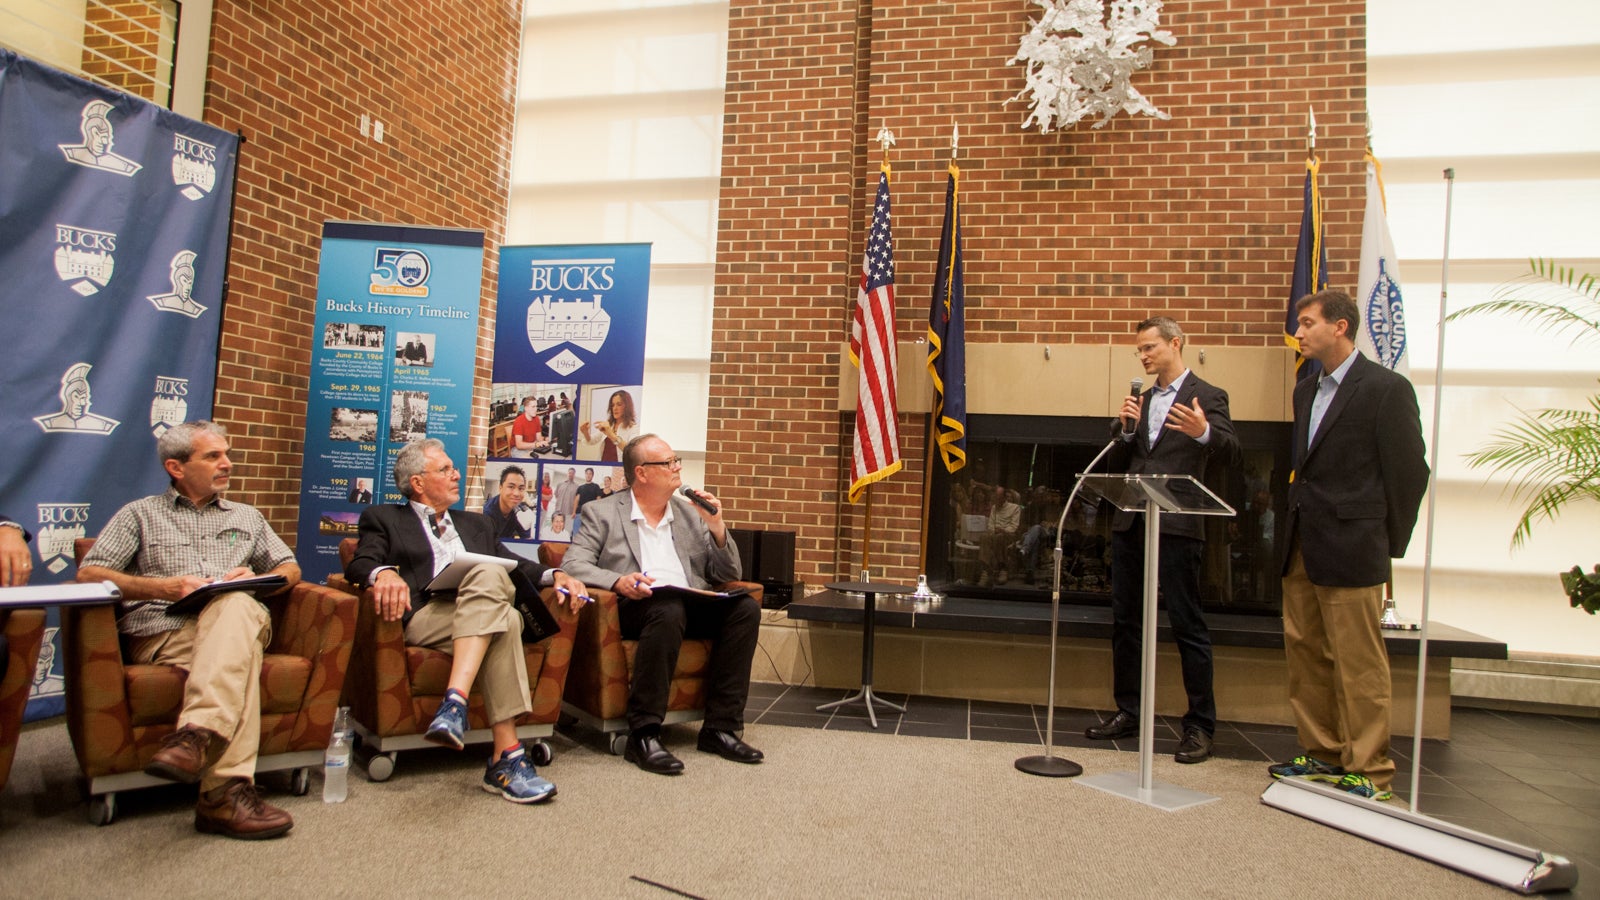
[[1359, 785], [1308, 767], [449, 725], [515, 779]]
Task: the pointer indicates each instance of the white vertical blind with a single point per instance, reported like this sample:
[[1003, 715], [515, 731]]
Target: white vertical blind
[[1510, 99], [619, 138]]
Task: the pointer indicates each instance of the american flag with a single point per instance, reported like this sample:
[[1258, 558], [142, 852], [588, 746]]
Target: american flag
[[872, 349]]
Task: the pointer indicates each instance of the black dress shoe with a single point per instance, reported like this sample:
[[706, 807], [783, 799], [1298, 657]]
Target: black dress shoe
[[727, 745], [645, 750], [1196, 746], [1120, 725]]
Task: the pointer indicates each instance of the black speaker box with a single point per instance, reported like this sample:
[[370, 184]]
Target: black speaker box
[[767, 557]]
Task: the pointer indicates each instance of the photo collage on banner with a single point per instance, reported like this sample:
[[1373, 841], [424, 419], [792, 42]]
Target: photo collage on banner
[[392, 361], [112, 323], [566, 394]]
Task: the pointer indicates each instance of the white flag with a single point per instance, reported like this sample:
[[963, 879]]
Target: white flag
[[1382, 336]]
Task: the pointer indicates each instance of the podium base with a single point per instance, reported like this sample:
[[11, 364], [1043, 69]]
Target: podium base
[[1162, 796], [1048, 766]]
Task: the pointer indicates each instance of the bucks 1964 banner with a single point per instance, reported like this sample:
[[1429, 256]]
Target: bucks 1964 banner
[[113, 243]]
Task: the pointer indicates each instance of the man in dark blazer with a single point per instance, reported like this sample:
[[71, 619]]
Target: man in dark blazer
[[637, 541], [1358, 480], [402, 547], [1178, 426]]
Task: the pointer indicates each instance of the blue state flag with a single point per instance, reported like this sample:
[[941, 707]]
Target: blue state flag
[[947, 335], [1310, 267]]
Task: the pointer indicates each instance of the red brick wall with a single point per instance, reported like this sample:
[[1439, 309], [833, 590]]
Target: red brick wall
[[127, 45], [295, 79], [1070, 237]]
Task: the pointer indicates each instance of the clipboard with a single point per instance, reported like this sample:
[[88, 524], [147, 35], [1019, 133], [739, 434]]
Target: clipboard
[[693, 594], [449, 578], [193, 602]]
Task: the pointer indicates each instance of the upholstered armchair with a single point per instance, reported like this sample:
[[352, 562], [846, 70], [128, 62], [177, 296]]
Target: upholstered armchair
[[602, 665], [119, 712], [394, 689], [24, 631]]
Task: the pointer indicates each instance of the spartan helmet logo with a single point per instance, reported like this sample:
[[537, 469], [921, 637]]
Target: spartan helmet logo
[[182, 278], [95, 151], [75, 400]]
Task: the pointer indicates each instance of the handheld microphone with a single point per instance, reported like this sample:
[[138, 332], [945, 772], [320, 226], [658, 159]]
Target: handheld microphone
[[1135, 387], [698, 500]]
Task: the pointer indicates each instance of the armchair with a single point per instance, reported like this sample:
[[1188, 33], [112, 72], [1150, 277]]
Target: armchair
[[394, 689], [602, 665], [119, 712], [24, 631]]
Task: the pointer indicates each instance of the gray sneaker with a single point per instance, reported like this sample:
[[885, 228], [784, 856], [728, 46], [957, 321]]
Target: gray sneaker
[[515, 779]]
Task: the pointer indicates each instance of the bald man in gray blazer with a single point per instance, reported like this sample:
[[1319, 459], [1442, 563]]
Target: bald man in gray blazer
[[650, 536]]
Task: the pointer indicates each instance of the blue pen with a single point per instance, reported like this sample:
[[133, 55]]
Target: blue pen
[[584, 597]]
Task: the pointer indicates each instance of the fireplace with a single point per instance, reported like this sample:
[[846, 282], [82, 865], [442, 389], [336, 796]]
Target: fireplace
[[1033, 461]]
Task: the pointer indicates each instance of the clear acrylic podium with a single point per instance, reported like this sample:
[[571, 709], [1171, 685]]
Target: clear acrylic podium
[[1152, 495]]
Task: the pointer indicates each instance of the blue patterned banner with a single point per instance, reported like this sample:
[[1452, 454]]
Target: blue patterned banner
[[114, 220], [392, 361]]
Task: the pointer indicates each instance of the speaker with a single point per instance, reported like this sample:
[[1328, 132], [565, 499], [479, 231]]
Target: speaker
[[745, 540], [767, 558]]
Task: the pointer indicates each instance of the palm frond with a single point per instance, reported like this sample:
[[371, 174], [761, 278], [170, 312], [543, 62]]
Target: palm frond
[[1553, 298], [1553, 456]]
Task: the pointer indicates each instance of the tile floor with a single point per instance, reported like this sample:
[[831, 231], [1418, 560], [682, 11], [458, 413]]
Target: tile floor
[[1528, 778]]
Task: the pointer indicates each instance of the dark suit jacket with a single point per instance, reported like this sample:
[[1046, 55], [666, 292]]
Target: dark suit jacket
[[1175, 453], [1356, 489], [392, 535]]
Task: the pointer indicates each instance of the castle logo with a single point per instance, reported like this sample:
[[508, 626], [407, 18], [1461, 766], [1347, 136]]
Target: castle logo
[[84, 258], [74, 415], [170, 406], [181, 274], [194, 166], [400, 272], [95, 151], [60, 524]]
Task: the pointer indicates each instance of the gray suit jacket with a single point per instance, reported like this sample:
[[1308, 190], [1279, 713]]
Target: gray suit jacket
[[606, 546]]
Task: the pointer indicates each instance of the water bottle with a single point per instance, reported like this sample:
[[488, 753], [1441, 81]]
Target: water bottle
[[336, 761]]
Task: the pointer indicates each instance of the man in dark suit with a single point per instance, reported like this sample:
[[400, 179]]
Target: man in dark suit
[[1176, 427], [1358, 480], [650, 536], [402, 547]]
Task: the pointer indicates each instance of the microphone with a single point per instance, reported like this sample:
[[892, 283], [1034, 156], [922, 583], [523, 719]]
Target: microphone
[[698, 500], [1135, 387]]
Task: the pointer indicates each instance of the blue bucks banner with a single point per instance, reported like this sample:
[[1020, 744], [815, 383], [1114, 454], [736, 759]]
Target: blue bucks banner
[[567, 395], [392, 361], [113, 245]]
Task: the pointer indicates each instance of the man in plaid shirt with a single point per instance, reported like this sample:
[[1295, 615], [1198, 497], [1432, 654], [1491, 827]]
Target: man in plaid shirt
[[158, 550]]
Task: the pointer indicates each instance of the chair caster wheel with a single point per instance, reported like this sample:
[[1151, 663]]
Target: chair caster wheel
[[102, 809], [619, 743], [300, 782], [540, 753]]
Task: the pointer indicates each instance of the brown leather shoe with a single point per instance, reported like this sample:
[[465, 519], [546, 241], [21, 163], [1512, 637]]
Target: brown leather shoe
[[185, 754], [236, 810]]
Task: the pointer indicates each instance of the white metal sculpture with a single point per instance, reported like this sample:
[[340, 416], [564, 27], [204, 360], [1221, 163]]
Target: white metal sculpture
[[1081, 57]]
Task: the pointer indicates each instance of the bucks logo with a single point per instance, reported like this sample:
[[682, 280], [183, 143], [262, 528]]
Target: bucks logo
[[170, 406]]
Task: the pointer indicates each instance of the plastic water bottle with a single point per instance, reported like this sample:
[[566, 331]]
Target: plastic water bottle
[[336, 761]]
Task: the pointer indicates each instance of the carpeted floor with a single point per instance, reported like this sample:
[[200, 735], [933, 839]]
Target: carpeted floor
[[830, 813]]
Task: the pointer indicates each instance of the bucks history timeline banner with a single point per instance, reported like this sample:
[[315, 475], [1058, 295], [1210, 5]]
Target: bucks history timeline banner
[[392, 360], [113, 243]]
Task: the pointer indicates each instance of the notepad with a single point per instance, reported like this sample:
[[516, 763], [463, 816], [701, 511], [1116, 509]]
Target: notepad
[[193, 602], [449, 578]]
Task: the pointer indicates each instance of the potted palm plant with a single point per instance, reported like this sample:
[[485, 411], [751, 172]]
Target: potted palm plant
[[1552, 455]]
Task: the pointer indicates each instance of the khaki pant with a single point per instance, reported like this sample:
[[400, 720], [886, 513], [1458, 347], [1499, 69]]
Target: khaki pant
[[482, 605], [1339, 682], [222, 650]]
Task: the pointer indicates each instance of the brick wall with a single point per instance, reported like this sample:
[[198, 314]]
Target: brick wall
[[1070, 237], [294, 79], [127, 45]]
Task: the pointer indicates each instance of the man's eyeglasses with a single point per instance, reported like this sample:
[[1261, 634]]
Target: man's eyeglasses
[[442, 470], [675, 462]]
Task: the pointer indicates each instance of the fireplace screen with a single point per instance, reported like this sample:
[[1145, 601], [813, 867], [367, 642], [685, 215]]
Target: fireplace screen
[[992, 525]]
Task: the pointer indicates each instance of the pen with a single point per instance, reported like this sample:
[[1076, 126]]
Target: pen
[[639, 583], [584, 597]]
